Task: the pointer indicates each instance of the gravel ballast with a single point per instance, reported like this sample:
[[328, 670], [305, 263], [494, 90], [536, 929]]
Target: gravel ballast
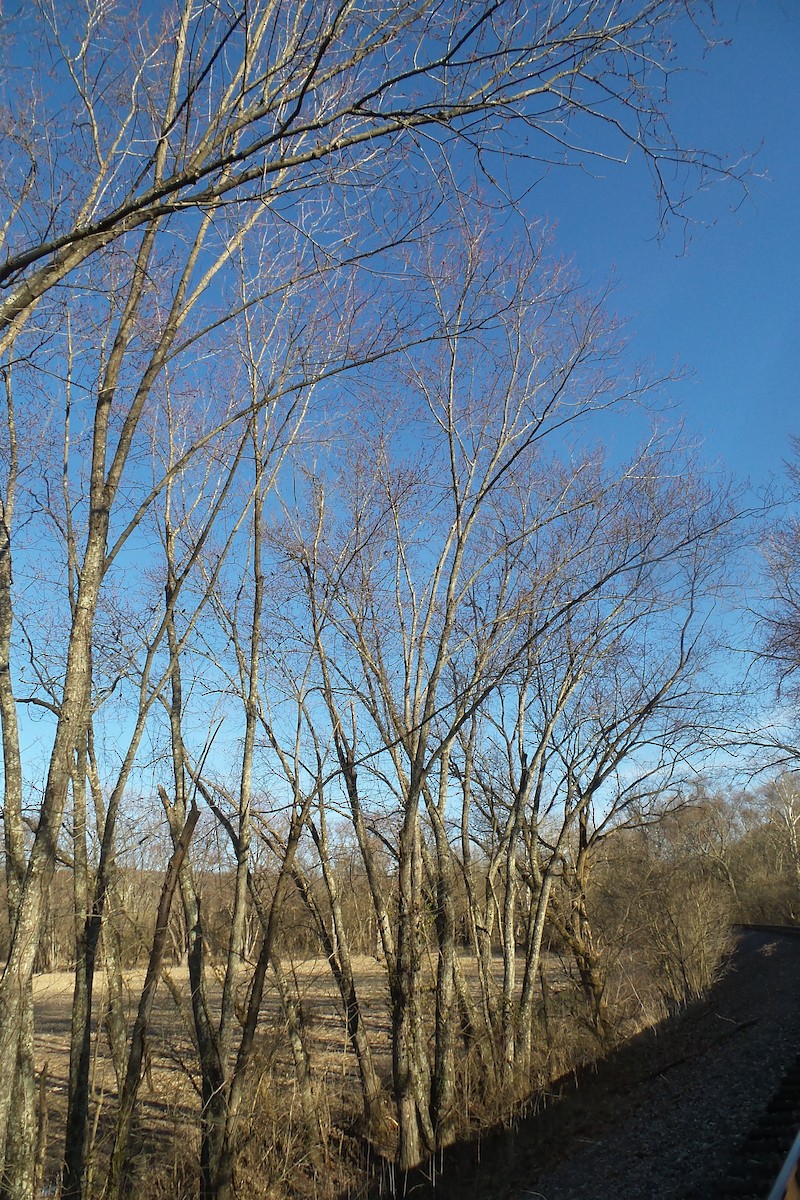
[[677, 1120], [662, 1118]]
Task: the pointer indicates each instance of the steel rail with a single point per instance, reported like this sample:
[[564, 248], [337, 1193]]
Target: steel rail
[[787, 1185]]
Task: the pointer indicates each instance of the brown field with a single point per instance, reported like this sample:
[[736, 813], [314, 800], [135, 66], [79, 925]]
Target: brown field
[[169, 1091], [168, 1095], [167, 1131]]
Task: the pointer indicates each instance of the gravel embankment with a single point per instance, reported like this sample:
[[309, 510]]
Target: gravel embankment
[[662, 1116], [668, 1120]]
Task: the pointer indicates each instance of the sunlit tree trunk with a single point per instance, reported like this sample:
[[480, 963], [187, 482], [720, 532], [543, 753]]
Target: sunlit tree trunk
[[337, 948], [18, 1176]]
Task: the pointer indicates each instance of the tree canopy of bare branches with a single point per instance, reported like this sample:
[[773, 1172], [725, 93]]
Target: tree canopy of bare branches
[[272, 381]]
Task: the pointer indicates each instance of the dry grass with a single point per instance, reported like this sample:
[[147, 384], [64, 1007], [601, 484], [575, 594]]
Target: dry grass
[[278, 1157]]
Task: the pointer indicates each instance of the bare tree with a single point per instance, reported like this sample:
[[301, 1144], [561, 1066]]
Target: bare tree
[[149, 165], [488, 577]]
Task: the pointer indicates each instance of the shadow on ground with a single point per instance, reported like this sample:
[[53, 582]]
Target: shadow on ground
[[578, 1108]]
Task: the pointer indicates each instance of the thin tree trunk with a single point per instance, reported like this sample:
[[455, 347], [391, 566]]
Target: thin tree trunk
[[341, 965], [22, 1134], [479, 917], [415, 1132], [127, 1102], [440, 871], [532, 959], [17, 1161], [80, 1033], [223, 1183], [213, 1118], [114, 1019], [295, 1027]]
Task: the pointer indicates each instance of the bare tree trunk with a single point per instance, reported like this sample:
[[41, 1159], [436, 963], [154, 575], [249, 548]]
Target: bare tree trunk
[[295, 1026], [114, 1019], [577, 931], [377, 891], [80, 1035], [22, 1135], [213, 1118], [15, 985], [539, 908], [479, 916], [17, 1164], [415, 1131], [223, 1182], [441, 874], [509, 925], [443, 1104], [337, 949], [88, 943], [127, 1102], [75, 707]]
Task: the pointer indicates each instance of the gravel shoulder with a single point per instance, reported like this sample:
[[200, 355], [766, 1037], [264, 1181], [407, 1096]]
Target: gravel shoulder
[[663, 1115]]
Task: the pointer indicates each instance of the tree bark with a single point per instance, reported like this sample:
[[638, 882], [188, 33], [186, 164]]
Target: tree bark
[[127, 1101]]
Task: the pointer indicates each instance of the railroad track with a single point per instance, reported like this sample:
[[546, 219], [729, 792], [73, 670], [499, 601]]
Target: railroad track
[[762, 1155], [771, 1149], [704, 1109], [722, 1110]]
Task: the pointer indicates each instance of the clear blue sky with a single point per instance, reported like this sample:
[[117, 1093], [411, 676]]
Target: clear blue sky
[[728, 305]]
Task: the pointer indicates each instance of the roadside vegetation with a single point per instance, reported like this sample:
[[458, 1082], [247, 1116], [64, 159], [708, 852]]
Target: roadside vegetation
[[362, 605]]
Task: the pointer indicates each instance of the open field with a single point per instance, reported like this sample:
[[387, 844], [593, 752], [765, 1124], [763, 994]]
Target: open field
[[169, 1094]]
